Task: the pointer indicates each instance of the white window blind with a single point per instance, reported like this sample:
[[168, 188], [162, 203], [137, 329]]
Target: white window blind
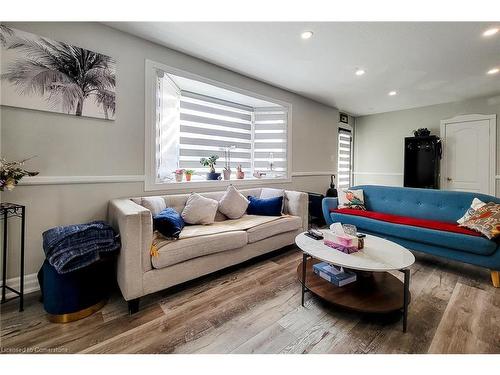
[[344, 161], [207, 125], [191, 125], [270, 140]]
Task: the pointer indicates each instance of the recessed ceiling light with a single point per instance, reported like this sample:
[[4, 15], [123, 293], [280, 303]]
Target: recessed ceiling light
[[306, 34], [493, 71], [360, 72], [392, 93], [491, 31]]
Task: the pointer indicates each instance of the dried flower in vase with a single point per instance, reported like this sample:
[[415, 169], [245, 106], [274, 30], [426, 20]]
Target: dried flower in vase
[[11, 172]]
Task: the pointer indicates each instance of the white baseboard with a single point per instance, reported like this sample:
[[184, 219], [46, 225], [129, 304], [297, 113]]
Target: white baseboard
[[30, 284]]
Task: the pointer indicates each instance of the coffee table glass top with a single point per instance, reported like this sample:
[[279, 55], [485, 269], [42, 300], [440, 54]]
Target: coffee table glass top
[[378, 254]]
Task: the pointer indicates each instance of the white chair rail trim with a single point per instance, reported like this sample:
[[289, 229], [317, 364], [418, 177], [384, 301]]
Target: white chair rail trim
[[68, 180], [64, 180]]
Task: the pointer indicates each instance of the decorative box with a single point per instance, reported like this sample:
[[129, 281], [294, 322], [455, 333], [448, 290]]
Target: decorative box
[[334, 275]]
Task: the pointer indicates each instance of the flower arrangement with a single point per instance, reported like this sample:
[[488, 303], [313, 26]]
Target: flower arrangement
[[11, 172], [188, 173], [179, 173]]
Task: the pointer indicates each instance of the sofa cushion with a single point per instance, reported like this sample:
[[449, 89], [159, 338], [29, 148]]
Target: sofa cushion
[[265, 206], [272, 228], [199, 210], [406, 220], [273, 193], [154, 204], [173, 252], [456, 241], [233, 204], [474, 206], [169, 223], [353, 199], [485, 220]]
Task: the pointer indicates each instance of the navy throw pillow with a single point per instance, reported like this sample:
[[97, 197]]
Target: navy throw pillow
[[169, 223], [265, 206]]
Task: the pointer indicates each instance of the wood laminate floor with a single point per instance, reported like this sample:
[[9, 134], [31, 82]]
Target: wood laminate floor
[[256, 309]]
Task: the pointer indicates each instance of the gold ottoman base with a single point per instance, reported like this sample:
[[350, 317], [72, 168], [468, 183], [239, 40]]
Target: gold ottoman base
[[77, 315]]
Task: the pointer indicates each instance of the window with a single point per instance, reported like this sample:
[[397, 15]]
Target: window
[[344, 161], [190, 118]]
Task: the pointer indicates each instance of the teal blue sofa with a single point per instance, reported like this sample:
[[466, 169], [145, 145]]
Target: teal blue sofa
[[437, 205]]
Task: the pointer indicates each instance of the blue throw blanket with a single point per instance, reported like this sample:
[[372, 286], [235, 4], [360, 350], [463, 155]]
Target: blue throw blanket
[[73, 247]]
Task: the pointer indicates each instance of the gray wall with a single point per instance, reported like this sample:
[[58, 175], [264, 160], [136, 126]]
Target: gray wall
[[378, 150], [69, 146]]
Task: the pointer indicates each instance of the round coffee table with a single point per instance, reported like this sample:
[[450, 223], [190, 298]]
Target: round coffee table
[[375, 290]]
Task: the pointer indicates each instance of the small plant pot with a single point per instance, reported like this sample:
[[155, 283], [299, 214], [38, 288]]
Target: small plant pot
[[213, 176], [178, 177], [227, 174], [188, 177], [240, 175]]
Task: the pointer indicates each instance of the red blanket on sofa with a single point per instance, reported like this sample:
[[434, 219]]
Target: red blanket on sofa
[[406, 220]]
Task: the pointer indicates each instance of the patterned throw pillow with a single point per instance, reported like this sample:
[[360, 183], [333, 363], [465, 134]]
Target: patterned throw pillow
[[353, 199], [485, 220], [476, 205]]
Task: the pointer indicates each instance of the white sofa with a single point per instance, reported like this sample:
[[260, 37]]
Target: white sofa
[[201, 249]]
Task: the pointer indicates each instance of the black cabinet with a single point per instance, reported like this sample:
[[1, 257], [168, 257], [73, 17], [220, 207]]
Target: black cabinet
[[421, 164]]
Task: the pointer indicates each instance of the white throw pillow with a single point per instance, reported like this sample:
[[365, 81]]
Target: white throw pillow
[[199, 210], [273, 193], [476, 205], [233, 204], [154, 204], [352, 199]]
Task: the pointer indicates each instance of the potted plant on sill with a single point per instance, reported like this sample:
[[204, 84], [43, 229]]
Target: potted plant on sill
[[179, 173], [240, 175], [210, 163], [188, 173], [227, 157]]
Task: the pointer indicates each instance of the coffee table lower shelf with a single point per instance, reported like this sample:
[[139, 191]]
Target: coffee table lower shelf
[[377, 292]]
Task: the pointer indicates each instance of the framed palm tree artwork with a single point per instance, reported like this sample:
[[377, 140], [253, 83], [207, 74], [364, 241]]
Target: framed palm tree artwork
[[42, 74]]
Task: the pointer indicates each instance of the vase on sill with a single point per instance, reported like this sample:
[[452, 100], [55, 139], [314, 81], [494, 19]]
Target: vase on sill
[[213, 176], [227, 174], [178, 178]]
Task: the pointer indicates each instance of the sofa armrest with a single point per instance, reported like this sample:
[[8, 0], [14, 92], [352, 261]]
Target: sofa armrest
[[297, 204], [329, 204], [134, 223]]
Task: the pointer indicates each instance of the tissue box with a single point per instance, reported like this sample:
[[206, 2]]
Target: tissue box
[[345, 243], [342, 240]]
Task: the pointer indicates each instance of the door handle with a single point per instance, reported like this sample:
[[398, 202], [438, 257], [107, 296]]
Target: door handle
[[449, 179]]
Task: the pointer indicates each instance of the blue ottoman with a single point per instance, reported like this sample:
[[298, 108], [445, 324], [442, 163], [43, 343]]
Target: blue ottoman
[[78, 294]]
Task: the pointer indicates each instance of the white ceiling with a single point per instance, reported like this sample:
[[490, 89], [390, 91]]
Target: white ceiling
[[426, 63]]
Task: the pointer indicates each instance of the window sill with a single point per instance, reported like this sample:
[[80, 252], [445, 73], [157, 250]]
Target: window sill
[[187, 185]]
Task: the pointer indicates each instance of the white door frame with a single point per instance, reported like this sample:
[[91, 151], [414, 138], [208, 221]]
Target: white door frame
[[492, 137]]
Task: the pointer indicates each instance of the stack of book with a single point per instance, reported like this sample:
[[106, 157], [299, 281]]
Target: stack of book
[[338, 276]]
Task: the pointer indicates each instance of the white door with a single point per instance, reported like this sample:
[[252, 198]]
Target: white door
[[467, 163]]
